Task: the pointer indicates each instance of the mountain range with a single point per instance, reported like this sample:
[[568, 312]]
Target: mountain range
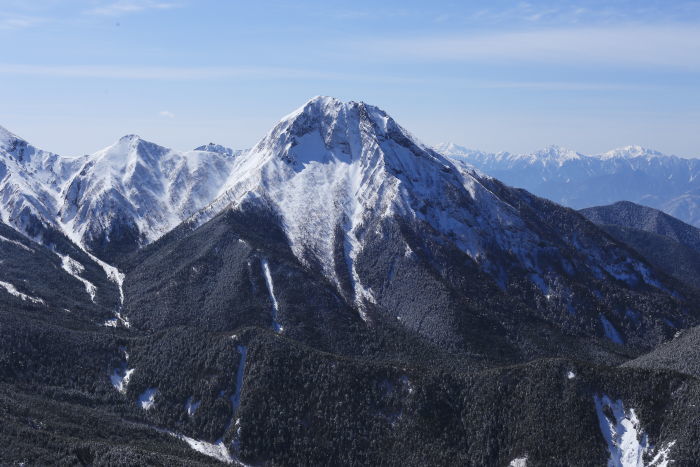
[[643, 176], [340, 294], [113, 201]]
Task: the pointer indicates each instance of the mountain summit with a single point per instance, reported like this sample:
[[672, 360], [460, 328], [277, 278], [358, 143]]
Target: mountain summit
[[630, 152], [332, 170], [348, 187]]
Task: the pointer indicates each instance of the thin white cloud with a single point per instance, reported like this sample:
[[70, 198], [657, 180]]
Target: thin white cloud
[[122, 7], [10, 21], [189, 73], [166, 114], [560, 85], [141, 72], [672, 46], [274, 73]]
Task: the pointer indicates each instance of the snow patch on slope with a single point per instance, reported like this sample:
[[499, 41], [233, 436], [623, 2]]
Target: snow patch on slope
[[12, 290], [147, 399], [192, 405], [120, 376], [74, 268], [217, 451], [627, 442], [118, 278], [120, 379]]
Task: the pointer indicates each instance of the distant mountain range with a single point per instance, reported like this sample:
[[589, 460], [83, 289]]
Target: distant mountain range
[[339, 294], [633, 173]]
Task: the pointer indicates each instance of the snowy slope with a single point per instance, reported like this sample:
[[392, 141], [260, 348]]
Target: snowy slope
[[112, 201], [134, 191], [631, 173], [332, 165], [30, 182], [339, 176]]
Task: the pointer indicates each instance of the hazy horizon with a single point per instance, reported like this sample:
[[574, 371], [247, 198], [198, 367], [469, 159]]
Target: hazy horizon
[[494, 76]]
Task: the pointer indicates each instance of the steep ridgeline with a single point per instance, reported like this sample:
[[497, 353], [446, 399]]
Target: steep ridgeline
[[132, 192], [407, 239], [668, 183], [110, 202], [31, 181], [670, 244], [635, 216], [213, 147]]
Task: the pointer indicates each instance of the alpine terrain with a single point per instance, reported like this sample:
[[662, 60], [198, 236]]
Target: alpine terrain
[[644, 176], [113, 201], [339, 294]]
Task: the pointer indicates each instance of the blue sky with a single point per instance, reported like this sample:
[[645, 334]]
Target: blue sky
[[75, 75]]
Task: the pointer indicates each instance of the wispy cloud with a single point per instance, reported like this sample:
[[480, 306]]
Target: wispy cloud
[[274, 73], [559, 85], [189, 73], [590, 12], [672, 46], [166, 114], [12, 21], [122, 7]]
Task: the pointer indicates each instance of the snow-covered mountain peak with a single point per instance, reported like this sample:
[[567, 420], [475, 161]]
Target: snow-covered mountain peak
[[130, 159], [550, 156], [125, 195], [218, 148], [30, 182], [331, 170], [341, 179], [450, 148], [581, 181], [134, 191], [631, 152], [555, 153], [20, 150], [313, 105], [456, 150], [326, 129], [130, 146], [130, 137]]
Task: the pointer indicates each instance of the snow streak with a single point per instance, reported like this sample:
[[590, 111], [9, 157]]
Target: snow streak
[[271, 290], [13, 291]]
